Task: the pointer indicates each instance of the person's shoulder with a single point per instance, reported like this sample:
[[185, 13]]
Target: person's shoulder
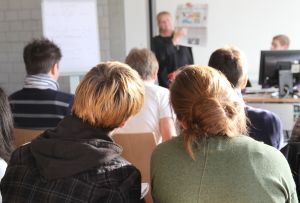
[[261, 114], [16, 94], [22, 155], [156, 89], [160, 39], [259, 150], [65, 94], [172, 146], [242, 141], [157, 37], [251, 109]]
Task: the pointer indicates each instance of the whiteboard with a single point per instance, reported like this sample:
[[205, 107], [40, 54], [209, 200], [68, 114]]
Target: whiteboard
[[73, 26], [249, 25]]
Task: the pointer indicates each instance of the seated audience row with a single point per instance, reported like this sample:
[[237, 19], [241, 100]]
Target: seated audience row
[[78, 161], [40, 105]]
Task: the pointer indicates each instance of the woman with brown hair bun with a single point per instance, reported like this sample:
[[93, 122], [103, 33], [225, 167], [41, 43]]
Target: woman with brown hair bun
[[213, 160]]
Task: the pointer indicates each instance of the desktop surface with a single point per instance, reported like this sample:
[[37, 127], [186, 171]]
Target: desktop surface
[[268, 98]]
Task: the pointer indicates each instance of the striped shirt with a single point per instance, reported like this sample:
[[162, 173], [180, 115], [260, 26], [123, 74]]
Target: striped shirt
[[39, 108]]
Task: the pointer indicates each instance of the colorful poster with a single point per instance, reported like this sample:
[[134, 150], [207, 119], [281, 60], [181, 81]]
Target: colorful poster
[[192, 18]]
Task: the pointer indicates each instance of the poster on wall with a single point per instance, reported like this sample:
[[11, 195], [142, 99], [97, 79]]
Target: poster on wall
[[192, 18]]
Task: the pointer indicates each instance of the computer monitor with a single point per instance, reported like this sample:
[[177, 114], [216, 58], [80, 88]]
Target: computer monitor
[[273, 61]]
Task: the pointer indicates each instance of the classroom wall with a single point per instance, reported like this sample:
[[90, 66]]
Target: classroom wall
[[249, 25], [21, 20], [117, 44], [136, 24], [125, 24]]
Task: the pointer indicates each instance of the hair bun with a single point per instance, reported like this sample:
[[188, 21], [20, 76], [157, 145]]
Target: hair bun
[[209, 115]]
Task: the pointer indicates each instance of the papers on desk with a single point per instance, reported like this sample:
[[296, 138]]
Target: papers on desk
[[144, 189]]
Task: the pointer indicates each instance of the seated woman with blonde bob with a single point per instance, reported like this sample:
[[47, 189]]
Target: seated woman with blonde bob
[[213, 160]]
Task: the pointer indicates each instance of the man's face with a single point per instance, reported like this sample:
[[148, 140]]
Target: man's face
[[165, 23], [277, 46]]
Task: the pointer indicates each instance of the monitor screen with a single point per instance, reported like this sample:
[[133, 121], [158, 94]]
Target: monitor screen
[[273, 61]]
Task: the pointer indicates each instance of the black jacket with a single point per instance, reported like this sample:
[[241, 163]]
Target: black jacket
[[72, 163], [292, 153], [169, 57]]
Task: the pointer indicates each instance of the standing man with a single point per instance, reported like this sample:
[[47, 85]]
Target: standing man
[[169, 54], [280, 42], [39, 104]]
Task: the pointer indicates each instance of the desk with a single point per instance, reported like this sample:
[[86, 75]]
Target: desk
[[288, 109]]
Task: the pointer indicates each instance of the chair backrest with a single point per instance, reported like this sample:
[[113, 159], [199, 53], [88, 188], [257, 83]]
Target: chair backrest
[[22, 135], [137, 149]]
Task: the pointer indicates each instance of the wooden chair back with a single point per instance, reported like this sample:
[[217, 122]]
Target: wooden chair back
[[137, 149], [22, 135]]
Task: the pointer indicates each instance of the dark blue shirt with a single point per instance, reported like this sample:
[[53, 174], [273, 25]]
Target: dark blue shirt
[[38, 108], [265, 126]]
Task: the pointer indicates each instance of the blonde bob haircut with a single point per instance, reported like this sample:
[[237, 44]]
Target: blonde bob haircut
[[108, 95], [206, 105]]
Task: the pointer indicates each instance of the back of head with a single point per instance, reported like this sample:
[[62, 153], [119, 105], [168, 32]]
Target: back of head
[[6, 127], [40, 55], [206, 105], [230, 62], [143, 61], [280, 42], [108, 95]]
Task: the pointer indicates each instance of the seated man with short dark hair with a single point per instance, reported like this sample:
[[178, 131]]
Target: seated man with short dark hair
[[78, 161], [39, 104], [264, 126]]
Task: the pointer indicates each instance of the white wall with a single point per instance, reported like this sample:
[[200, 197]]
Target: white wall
[[136, 24], [250, 25]]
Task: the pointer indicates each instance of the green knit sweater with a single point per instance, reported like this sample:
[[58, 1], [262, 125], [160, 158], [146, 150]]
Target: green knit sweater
[[237, 169]]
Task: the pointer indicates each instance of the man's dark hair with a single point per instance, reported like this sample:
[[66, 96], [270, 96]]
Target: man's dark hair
[[228, 61], [40, 55]]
